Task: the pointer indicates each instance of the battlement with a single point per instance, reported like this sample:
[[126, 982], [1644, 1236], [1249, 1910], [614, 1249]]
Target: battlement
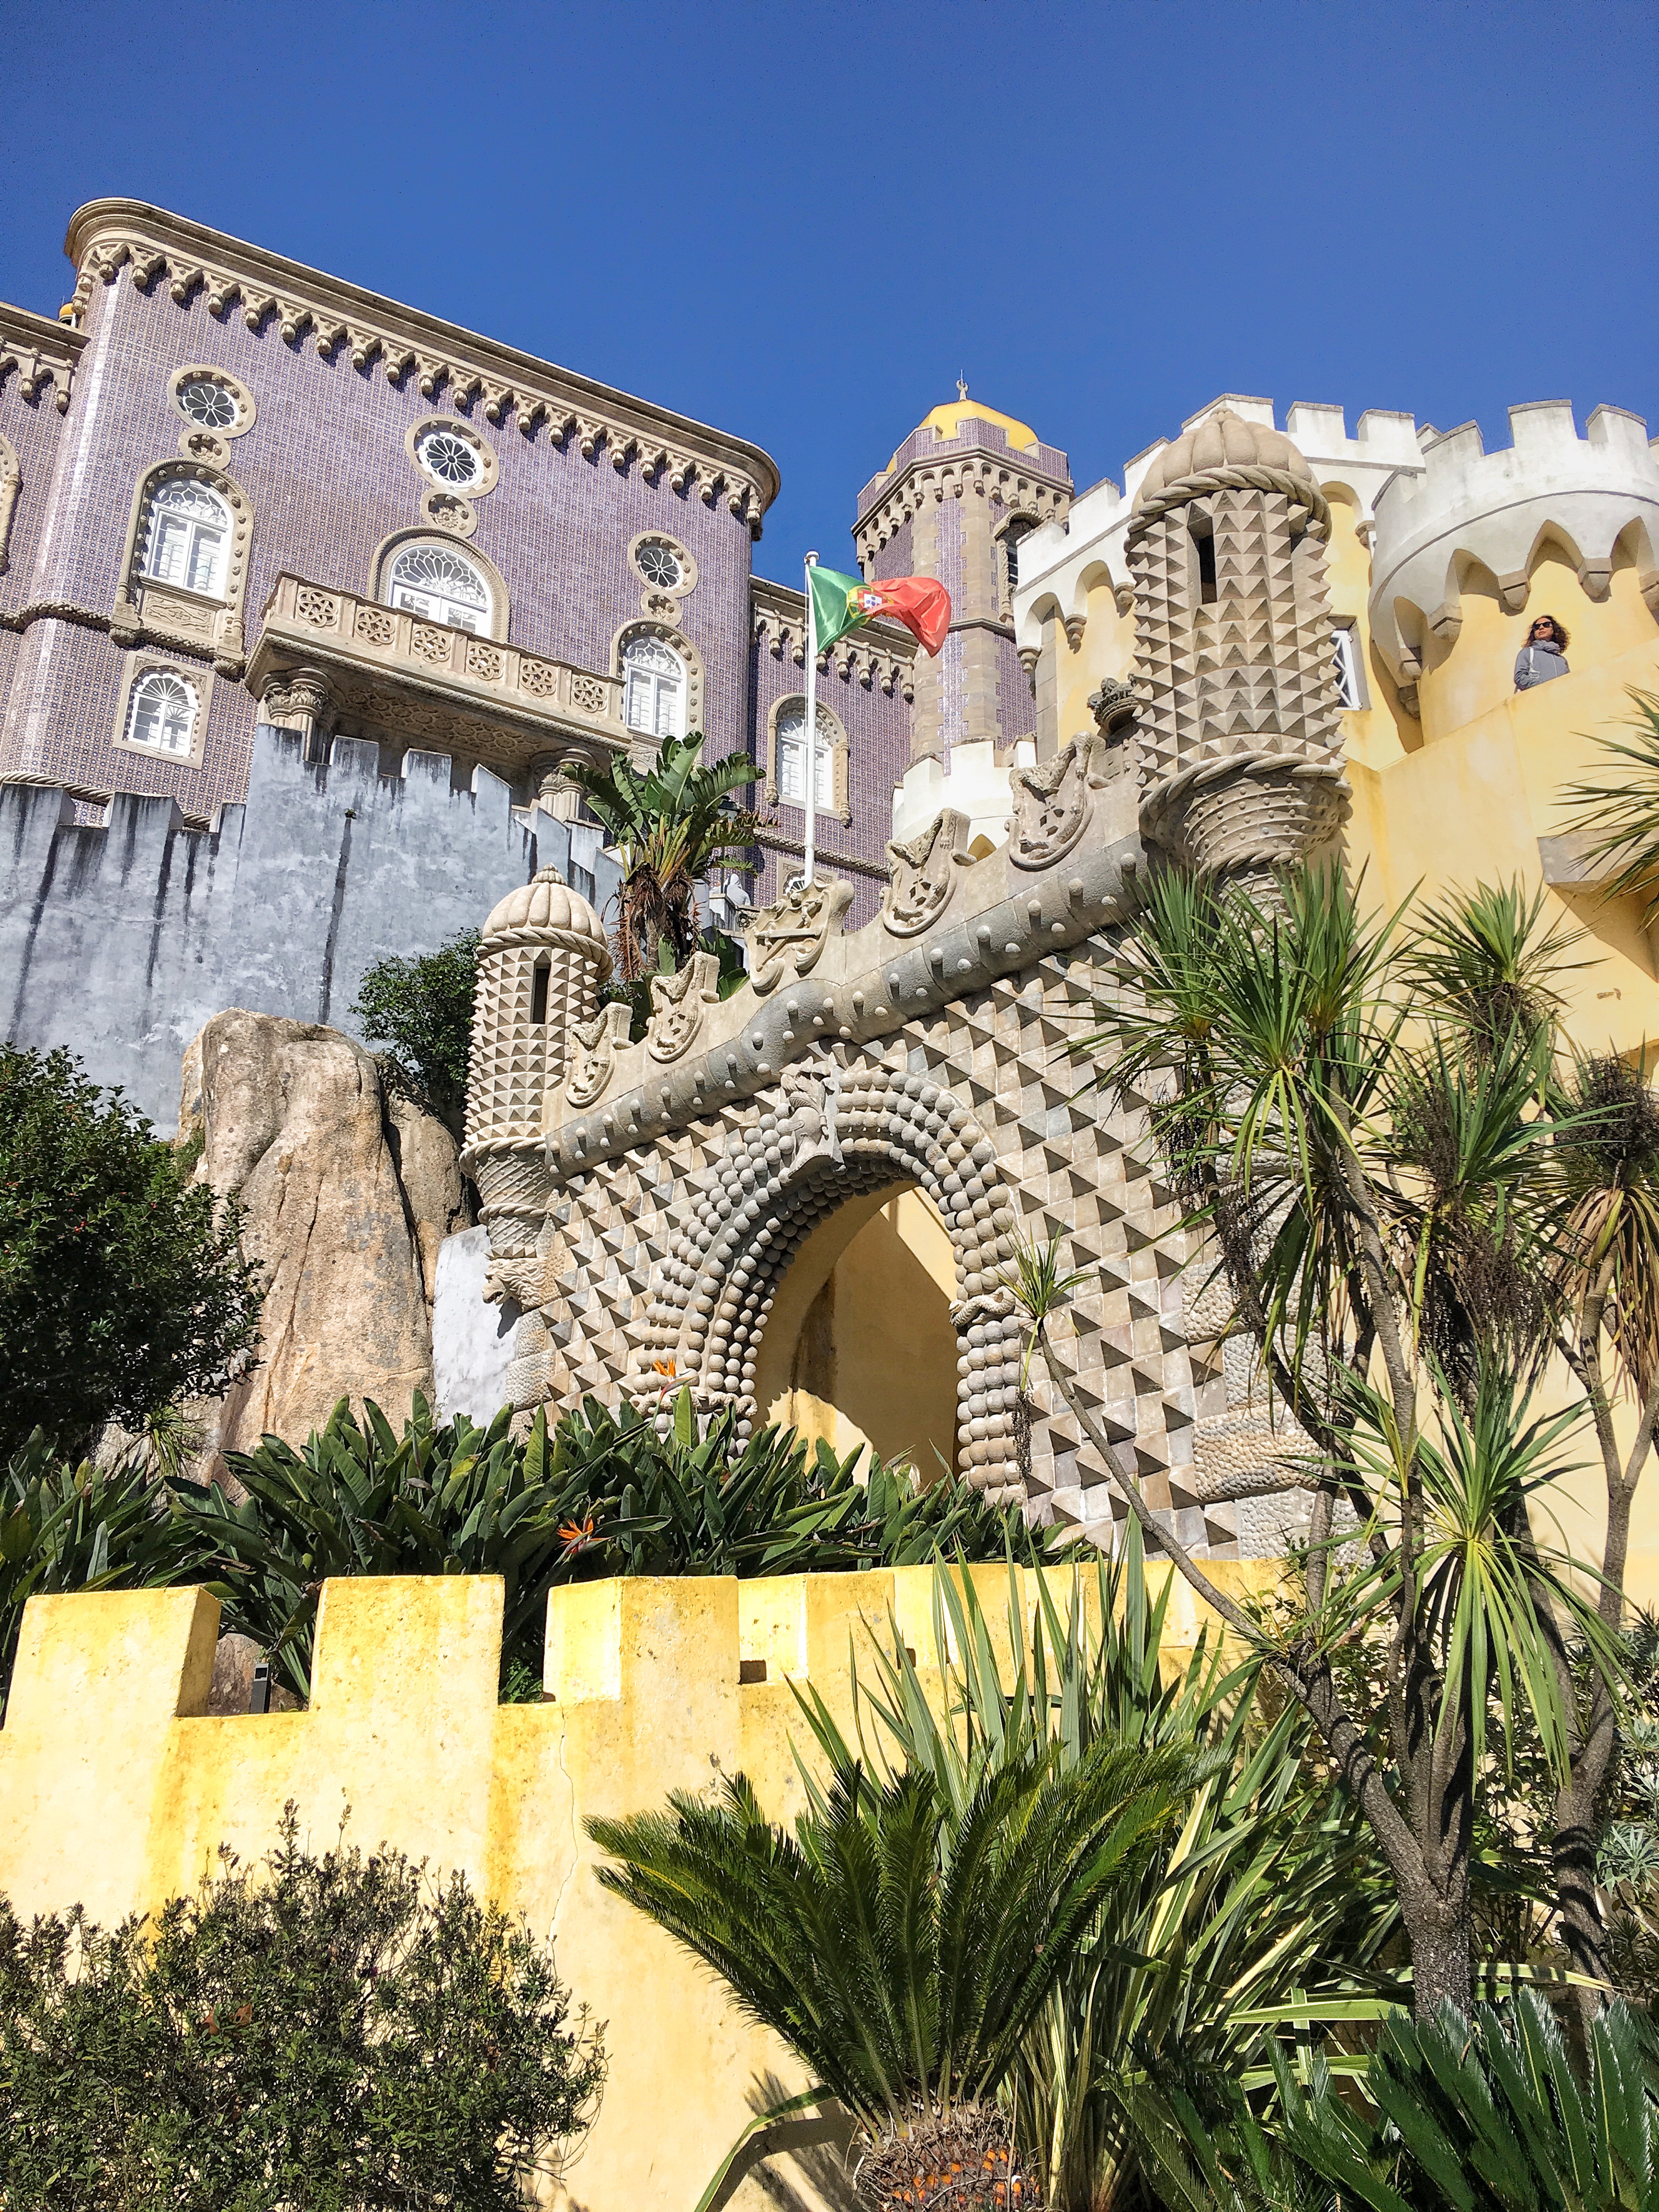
[[1466, 506], [1061, 563], [120, 938], [117, 1788]]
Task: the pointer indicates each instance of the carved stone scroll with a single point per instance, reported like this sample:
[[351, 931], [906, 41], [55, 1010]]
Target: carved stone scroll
[[1052, 805], [922, 874], [594, 1049], [677, 1003], [790, 936]]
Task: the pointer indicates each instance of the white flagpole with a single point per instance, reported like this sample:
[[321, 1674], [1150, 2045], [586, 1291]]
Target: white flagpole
[[812, 731]]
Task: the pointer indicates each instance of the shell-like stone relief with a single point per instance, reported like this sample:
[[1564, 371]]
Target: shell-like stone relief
[[791, 935], [923, 874], [677, 1003], [1052, 805], [594, 1049]]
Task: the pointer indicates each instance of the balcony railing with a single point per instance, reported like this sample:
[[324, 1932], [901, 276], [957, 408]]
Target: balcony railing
[[329, 657]]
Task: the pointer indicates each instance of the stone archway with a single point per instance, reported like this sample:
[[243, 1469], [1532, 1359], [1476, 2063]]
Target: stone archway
[[839, 1132]]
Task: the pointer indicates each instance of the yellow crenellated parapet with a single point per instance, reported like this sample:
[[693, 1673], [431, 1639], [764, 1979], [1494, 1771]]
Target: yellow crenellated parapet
[[117, 1788]]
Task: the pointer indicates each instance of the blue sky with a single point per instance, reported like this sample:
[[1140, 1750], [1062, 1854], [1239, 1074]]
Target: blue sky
[[801, 222]]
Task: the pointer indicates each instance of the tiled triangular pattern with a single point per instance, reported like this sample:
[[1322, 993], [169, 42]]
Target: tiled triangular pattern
[[643, 1253]]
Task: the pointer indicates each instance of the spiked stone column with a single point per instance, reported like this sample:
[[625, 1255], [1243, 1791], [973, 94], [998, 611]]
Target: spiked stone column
[[541, 960], [1239, 731]]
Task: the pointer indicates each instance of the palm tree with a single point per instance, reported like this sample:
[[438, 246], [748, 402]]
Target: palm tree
[[670, 826], [902, 1941], [1365, 1154], [1616, 813]]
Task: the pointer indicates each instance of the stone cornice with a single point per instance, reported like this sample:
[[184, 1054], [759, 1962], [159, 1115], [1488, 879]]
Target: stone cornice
[[107, 235], [954, 468], [875, 653], [44, 353]]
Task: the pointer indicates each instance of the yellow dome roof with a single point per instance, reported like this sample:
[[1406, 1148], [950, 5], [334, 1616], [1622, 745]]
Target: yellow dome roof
[[545, 903], [1222, 441], [946, 423]]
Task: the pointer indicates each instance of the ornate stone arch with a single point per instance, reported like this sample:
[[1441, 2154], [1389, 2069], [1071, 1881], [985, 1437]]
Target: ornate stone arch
[[445, 541], [840, 781], [677, 641], [148, 611], [837, 1133], [11, 478]]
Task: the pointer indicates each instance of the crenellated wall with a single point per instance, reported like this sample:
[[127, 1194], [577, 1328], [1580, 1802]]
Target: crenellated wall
[[117, 1788], [120, 938]]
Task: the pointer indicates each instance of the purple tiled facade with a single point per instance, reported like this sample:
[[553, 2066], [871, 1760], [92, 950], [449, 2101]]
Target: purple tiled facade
[[325, 471]]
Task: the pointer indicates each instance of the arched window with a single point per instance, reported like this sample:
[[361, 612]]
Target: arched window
[[792, 757], [442, 585], [189, 534], [654, 700], [161, 715]]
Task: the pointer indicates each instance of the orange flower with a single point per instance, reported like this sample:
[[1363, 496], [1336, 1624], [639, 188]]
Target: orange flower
[[577, 1535], [663, 1367]]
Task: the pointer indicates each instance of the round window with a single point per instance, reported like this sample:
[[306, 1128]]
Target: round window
[[449, 456], [209, 402], [659, 565]]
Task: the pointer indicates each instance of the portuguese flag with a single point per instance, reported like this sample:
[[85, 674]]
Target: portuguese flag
[[843, 602]]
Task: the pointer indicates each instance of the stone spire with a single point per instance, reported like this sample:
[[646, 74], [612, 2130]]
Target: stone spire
[[541, 959], [1241, 765]]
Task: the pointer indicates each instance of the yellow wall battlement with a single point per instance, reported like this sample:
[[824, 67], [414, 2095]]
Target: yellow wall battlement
[[117, 1788]]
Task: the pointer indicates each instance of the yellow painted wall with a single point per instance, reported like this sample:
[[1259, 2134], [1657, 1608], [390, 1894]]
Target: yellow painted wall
[[116, 1789], [860, 1347]]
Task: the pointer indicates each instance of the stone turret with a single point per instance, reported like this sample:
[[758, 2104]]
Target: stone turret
[[541, 960], [1241, 765]]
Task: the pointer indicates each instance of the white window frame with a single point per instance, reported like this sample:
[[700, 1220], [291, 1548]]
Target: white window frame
[[653, 693], [154, 680], [200, 537], [428, 437], [436, 605], [1344, 659], [789, 737]]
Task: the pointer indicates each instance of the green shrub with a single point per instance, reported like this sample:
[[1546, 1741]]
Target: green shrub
[[343, 2034], [421, 1011], [122, 1285], [600, 1493], [84, 1528]]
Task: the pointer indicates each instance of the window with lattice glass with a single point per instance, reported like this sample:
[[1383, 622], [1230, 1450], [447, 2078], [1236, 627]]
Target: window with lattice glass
[[188, 539], [442, 586], [162, 713], [659, 565], [791, 758], [209, 402], [653, 689], [449, 456]]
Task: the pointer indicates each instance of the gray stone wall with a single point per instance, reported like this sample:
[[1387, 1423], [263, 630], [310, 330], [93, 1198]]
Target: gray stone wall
[[119, 941]]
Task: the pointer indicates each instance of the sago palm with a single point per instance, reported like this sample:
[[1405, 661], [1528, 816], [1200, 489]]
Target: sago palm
[[670, 825], [1262, 1909], [905, 1942]]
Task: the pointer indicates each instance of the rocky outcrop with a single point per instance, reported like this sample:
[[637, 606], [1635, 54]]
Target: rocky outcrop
[[346, 1196]]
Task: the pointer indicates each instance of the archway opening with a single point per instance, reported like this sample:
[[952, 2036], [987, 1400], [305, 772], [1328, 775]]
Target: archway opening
[[860, 1347]]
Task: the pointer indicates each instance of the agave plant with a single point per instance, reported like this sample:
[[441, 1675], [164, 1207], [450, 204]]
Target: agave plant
[[905, 1942], [1262, 1908]]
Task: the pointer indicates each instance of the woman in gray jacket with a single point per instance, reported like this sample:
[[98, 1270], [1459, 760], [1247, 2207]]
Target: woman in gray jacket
[[1544, 654]]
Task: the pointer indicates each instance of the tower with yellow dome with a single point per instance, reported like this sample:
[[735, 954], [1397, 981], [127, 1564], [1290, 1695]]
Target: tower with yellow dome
[[954, 502]]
